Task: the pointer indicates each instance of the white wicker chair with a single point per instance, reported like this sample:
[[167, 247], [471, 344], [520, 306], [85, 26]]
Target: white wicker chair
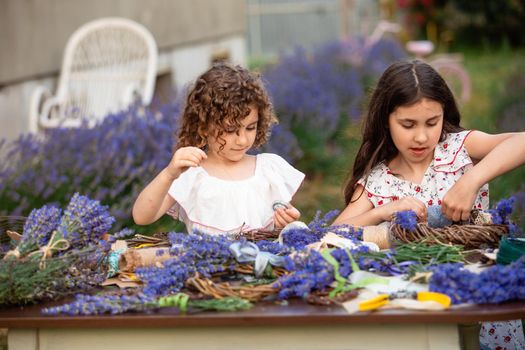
[[108, 64]]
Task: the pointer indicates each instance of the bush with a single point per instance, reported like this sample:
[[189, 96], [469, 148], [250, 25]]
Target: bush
[[316, 95], [110, 162]]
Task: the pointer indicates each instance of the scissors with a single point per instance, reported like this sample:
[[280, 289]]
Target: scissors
[[383, 299]]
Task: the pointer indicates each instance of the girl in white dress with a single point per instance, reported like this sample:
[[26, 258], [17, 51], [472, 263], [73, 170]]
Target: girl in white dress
[[211, 183], [415, 154]]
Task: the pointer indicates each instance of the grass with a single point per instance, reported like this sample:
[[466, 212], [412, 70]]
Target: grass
[[489, 72]]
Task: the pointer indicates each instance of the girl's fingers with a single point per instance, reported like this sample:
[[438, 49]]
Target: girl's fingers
[[278, 221], [293, 213], [196, 158], [283, 215], [187, 163]]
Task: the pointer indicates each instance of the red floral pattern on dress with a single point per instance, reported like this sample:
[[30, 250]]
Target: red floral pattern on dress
[[502, 335], [451, 161]]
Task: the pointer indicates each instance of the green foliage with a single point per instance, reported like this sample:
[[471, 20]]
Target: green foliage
[[489, 22]]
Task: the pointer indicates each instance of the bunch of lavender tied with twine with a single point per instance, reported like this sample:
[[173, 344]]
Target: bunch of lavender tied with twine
[[38, 228], [57, 255], [47, 232]]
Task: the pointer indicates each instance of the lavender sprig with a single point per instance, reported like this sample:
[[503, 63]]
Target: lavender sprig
[[192, 253], [407, 219], [38, 228], [501, 214], [84, 221], [493, 285]]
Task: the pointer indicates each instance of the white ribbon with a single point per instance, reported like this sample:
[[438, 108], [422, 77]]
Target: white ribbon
[[247, 252]]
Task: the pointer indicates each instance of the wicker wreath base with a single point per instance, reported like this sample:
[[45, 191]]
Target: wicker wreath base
[[470, 236], [259, 235], [222, 290]]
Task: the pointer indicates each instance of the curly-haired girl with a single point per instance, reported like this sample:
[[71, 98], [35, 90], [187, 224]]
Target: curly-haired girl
[[211, 184]]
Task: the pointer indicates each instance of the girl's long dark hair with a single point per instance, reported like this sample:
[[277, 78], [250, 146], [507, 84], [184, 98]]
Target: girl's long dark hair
[[402, 84]]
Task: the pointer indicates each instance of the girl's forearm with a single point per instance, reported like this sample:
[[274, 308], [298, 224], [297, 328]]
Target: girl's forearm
[[507, 155], [374, 216], [148, 205]]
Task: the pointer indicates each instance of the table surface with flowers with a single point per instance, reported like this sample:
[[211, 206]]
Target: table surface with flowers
[[268, 283], [292, 324]]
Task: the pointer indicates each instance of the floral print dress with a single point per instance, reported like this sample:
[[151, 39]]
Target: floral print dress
[[451, 160]]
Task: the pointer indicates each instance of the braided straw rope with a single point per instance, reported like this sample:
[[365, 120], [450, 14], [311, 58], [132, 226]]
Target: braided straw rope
[[470, 236]]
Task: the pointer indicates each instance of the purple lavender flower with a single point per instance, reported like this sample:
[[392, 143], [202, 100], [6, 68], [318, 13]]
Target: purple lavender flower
[[84, 221], [493, 285], [192, 253], [38, 228], [503, 210], [100, 304], [310, 271], [407, 219], [298, 238]]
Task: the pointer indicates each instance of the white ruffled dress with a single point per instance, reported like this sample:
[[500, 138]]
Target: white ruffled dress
[[215, 206], [451, 161]]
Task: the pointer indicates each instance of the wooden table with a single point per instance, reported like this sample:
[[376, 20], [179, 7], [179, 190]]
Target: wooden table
[[293, 325]]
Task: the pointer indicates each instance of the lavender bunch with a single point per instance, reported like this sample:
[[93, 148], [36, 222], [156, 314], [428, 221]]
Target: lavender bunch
[[501, 214], [27, 281], [192, 253], [406, 219], [273, 247], [117, 304], [38, 228], [297, 238], [170, 278], [309, 272], [84, 221], [495, 284], [322, 225], [96, 305]]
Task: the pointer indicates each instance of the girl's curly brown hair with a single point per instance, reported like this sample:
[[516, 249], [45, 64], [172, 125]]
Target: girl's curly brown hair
[[220, 99]]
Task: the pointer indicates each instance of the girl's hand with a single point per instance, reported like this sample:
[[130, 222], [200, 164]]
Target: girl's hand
[[405, 203], [282, 217], [184, 158], [457, 202]]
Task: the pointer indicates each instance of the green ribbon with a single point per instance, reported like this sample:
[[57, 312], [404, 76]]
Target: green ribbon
[[343, 284], [510, 249], [179, 300]]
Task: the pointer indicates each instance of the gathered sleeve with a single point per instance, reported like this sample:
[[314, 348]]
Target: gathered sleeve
[[451, 155], [284, 179]]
